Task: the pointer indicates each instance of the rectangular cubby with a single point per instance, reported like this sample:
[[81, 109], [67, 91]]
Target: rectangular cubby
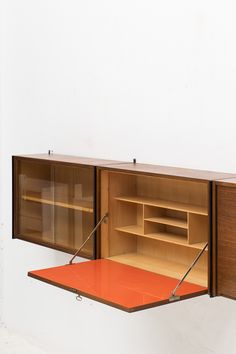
[[166, 216]]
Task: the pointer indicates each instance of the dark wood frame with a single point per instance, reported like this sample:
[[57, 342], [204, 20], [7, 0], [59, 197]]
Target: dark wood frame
[[228, 291], [15, 205]]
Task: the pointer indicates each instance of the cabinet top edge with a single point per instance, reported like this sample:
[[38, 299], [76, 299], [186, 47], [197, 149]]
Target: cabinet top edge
[[114, 165], [170, 171], [91, 161], [228, 182]]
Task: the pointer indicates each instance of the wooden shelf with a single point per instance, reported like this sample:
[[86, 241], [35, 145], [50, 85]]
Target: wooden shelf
[[195, 209], [164, 267], [169, 221], [161, 236], [83, 205], [131, 229]]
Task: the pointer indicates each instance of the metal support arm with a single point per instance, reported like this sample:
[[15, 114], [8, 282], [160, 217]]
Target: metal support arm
[[174, 297], [89, 236]]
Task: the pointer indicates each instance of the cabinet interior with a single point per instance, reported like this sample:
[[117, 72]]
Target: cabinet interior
[[155, 223], [55, 204]]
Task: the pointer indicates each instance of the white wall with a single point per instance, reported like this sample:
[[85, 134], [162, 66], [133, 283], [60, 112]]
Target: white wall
[[155, 80]]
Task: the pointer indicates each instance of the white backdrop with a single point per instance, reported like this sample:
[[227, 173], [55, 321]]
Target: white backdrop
[[114, 79]]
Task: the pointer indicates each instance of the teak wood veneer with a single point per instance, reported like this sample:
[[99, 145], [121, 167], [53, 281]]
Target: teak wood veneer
[[159, 219]]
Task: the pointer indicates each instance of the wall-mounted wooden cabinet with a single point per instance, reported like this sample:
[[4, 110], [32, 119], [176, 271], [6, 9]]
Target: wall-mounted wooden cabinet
[[224, 238], [156, 223], [55, 201], [159, 219]]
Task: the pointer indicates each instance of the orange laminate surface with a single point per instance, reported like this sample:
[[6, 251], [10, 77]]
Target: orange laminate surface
[[116, 284]]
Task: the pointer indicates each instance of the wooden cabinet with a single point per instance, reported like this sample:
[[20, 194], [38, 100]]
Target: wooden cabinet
[[225, 238], [156, 223], [159, 220], [55, 201]]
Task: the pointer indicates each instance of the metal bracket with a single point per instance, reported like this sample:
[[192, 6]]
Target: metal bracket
[[173, 296], [105, 216]]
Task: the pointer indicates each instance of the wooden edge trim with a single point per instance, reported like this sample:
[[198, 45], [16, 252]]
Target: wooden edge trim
[[14, 197], [110, 168], [213, 254], [210, 248], [53, 162]]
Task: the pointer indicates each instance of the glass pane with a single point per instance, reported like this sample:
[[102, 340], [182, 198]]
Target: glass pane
[[55, 205], [74, 206], [35, 218]]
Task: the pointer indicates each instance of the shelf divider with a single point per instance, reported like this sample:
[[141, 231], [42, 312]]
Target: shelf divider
[[167, 237], [168, 221], [195, 209]]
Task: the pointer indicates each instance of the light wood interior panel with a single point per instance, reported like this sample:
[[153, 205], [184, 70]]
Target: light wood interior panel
[[170, 252], [152, 218], [155, 228], [162, 266], [104, 208], [184, 191], [198, 228], [120, 184], [166, 216]]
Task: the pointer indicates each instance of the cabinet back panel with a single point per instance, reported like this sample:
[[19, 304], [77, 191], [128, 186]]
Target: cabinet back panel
[[178, 190], [171, 252], [120, 184]]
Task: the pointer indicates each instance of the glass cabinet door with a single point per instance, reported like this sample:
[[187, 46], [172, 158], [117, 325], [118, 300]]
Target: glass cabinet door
[[54, 204], [74, 206]]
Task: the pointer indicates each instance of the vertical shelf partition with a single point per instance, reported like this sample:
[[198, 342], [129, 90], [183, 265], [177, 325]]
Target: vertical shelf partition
[[173, 222]]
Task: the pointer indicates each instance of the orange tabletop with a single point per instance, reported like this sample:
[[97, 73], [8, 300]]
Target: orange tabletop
[[119, 285]]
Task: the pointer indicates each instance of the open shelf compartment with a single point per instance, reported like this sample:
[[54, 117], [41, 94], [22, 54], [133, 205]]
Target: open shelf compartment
[[157, 224]]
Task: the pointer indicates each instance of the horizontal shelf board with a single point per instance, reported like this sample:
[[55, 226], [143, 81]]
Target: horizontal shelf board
[[167, 204], [169, 221], [161, 236], [164, 267], [84, 205], [131, 229]]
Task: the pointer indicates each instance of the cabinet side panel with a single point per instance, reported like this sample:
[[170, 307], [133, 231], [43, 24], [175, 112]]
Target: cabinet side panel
[[213, 244], [119, 185], [104, 234], [226, 250], [15, 200]]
